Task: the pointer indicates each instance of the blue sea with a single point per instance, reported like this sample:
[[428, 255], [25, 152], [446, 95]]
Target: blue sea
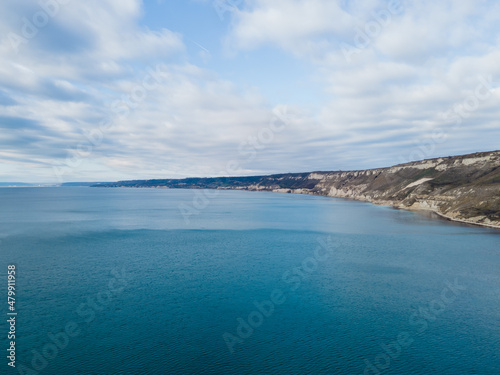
[[159, 281]]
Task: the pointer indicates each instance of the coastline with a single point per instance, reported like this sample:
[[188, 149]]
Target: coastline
[[386, 204], [464, 188], [441, 215], [350, 198], [449, 218]]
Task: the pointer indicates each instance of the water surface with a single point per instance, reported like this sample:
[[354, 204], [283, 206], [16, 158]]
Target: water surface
[[178, 286]]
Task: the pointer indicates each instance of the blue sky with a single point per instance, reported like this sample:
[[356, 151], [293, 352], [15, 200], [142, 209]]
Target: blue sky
[[109, 90]]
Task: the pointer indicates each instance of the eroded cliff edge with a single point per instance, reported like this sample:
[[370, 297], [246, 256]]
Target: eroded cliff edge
[[463, 188]]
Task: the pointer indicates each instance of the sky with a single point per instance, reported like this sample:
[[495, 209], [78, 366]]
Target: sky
[[106, 90]]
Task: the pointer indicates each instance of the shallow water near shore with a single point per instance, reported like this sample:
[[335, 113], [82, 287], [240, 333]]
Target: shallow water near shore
[[169, 281]]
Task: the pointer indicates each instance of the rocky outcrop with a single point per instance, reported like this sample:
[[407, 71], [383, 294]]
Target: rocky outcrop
[[462, 188]]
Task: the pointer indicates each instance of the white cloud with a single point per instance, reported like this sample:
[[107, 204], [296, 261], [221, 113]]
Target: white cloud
[[287, 22], [421, 61], [189, 122], [380, 104]]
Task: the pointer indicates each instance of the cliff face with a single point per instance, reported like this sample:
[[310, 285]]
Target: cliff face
[[464, 188]]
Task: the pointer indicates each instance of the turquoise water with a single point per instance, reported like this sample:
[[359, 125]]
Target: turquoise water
[[117, 281]]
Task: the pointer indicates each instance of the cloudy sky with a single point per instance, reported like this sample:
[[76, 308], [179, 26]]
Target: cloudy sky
[[102, 90]]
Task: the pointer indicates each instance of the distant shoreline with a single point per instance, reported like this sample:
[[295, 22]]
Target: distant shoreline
[[441, 215], [463, 188], [385, 204]]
